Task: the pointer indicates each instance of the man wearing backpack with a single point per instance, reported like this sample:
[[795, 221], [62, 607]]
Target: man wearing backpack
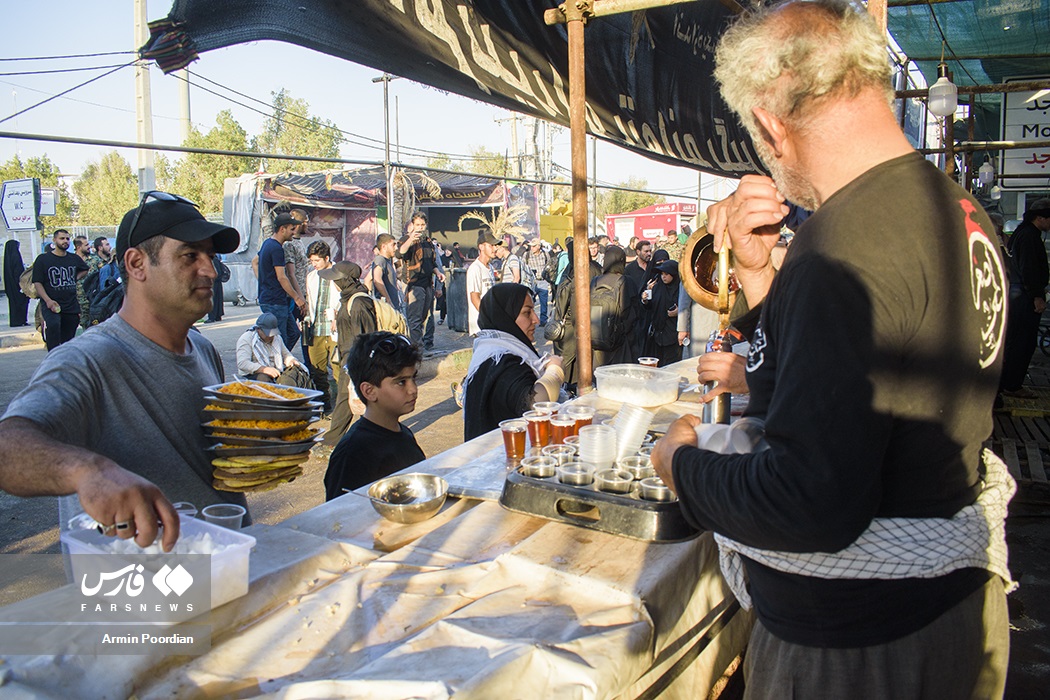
[[536, 260]]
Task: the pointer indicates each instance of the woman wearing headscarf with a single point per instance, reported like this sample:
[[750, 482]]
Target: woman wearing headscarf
[[355, 317], [662, 332], [506, 374], [17, 302], [564, 296], [629, 300]]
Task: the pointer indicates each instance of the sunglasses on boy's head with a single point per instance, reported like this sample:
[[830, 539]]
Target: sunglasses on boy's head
[[146, 196], [390, 345]]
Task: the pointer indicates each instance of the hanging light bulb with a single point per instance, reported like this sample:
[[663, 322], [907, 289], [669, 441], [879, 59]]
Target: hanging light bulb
[[943, 96], [986, 173], [995, 193]]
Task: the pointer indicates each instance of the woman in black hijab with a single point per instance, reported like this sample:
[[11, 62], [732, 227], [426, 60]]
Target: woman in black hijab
[[629, 299], [662, 332], [506, 374], [354, 318], [17, 302]]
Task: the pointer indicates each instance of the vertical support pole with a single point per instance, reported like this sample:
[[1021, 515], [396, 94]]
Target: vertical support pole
[[581, 254], [143, 105]]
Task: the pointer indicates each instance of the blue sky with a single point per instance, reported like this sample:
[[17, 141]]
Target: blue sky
[[427, 119]]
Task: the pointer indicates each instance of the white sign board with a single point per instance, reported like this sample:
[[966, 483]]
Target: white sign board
[[48, 199], [18, 202], [1026, 117]]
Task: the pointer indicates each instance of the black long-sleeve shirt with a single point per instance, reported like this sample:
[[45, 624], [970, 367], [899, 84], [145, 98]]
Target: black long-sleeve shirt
[[874, 366]]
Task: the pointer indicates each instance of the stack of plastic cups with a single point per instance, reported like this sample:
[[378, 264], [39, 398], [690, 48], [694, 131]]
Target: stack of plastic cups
[[598, 445], [631, 425]]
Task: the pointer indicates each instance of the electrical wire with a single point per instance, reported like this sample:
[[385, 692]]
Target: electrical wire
[[72, 55], [66, 92], [86, 102], [61, 70], [314, 123]]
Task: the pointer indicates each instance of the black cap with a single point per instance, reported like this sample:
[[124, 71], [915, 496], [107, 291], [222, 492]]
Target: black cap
[[174, 218], [285, 219], [487, 237], [341, 271]]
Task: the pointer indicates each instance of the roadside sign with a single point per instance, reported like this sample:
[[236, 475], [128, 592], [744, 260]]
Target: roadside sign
[[19, 203], [48, 199], [1026, 117]]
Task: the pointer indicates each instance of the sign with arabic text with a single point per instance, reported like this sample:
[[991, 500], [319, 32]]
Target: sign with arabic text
[[20, 203], [1026, 117]]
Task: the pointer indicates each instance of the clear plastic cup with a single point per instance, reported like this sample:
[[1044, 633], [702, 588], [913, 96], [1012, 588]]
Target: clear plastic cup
[[228, 515], [514, 438], [561, 428], [539, 428], [539, 467], [649, 361], [549, 407], [573, 440], [584, 415], [576, 473], [185, 509], [562, 453], [637, 466]]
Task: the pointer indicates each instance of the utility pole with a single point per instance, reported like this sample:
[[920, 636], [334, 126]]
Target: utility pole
[[185, 124], [385, 78], [513, 119], [143, 104]]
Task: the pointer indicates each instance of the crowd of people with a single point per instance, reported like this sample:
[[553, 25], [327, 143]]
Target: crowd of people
[[868, 538]]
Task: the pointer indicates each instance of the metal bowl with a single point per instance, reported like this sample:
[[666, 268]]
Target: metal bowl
[[408, 498]]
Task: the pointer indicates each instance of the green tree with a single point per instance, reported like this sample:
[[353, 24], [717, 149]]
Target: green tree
[[106, 190], [620, 201], [482, 161], [293, 131], [164, 173], [199, 176], [47, 172]]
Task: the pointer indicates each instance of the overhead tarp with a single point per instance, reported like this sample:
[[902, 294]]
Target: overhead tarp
[[649, 84], [366, 189]]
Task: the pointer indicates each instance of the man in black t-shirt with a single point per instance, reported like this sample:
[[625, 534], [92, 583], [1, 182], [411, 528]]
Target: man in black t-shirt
[[1030, 274], [869, 537], [418, 266], [639, 268], [55, 277]]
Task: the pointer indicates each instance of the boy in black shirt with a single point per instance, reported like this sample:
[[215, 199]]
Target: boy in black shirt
[[382, 367]]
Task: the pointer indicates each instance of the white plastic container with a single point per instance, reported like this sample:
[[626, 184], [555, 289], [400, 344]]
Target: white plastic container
[[229, 567], [638, 385]]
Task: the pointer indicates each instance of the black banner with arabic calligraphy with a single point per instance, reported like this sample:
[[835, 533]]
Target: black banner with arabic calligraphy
[[649, 84]]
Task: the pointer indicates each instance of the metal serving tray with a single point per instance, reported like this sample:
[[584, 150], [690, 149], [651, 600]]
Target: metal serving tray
[[262, 433], [289, 448], [261, 442], [305, 395], [627, 515], [241, 410]]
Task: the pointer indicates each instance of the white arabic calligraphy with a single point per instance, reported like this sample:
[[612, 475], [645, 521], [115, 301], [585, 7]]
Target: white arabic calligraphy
[[134, 581]]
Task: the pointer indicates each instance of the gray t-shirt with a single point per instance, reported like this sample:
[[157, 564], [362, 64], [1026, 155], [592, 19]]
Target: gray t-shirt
[[117, 393]]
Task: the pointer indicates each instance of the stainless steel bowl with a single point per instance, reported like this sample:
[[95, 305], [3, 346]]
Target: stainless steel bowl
[[408, 498]]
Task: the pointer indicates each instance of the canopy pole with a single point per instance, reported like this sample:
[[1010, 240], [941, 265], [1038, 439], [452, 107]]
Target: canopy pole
[[576, 13]]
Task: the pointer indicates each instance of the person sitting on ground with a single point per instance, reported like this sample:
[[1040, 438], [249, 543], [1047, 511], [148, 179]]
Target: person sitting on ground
[[262, 355], [506, 374], [383, 368]]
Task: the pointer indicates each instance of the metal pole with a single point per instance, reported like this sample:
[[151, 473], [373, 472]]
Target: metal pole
[[143, 109], [385, 79], [184, 104], [575, 19]]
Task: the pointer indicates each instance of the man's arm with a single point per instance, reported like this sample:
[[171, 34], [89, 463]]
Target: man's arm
[[43, 466], [289, 272], [48, 301], [255, 266], [287, 286], [377, 280], [475, 300]]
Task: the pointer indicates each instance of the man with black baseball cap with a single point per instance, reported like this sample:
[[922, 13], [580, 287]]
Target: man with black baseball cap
[[479, 276], [113, 416]]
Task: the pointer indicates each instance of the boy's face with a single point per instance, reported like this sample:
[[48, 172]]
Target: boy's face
[[320, 263], [396, 395]]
